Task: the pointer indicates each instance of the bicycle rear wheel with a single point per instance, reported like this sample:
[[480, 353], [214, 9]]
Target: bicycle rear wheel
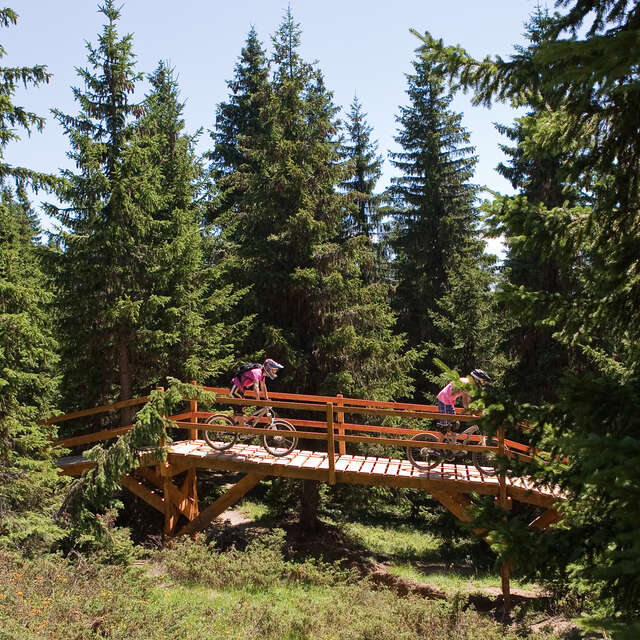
[[219, 440], [280, 445], [485, 462], [423, 457]]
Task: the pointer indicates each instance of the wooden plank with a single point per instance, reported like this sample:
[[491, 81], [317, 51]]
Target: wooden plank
[[178, 498], [545, 519], [457, 503], [96, 436], [226, 500], [350, 402], [96, 410], [340, 419], [367, 467], [331, 449], [193, 407], [449, 477], [381, 466], [138, 489]]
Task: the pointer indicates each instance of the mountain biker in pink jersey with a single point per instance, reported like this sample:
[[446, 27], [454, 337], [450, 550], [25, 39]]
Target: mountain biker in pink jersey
[[254, 378], [448, 395]]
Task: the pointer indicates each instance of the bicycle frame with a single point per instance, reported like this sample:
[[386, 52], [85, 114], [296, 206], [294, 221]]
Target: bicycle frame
[[277, 445]]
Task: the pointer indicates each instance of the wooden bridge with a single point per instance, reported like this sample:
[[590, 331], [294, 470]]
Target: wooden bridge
[[171, 486]]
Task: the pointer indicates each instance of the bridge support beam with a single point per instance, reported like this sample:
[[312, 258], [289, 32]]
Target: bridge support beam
[[227, 499]]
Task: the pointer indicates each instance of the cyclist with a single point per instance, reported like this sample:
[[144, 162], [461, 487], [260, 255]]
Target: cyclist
[[254, 377], [448, 395]]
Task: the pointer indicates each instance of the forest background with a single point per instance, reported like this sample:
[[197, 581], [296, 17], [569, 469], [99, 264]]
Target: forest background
[[280, 240]]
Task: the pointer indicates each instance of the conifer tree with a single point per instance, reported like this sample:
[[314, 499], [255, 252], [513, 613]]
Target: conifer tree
[[313, 311], [28, 353], [539, 172], [189, 326], [592, 427], [365, 168], [287, 234], [131, 271], [240, 116], [433, 207]]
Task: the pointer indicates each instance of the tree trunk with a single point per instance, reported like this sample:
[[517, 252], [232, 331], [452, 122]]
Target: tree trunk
[[125, 381], [309, 502]]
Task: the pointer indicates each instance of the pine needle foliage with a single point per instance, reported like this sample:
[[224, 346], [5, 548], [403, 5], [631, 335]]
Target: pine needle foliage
[[590, 90], [137, 300], [29, 481], [313, 309], [434, 217], [364, 166], [94, 491]]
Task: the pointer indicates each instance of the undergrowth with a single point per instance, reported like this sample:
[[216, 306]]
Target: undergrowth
[[193, 590]]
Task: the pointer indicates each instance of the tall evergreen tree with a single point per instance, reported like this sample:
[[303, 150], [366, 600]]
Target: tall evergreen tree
[[313, 311], [435, 218], [539, 172], [189, 331], [131, 270], [592, 427], [364, 167], [101, 259], [287, 233], [28, 352], [236, 120]]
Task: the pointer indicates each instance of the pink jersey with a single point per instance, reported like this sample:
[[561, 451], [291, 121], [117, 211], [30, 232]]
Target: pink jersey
[[249, 378], [450, 394]]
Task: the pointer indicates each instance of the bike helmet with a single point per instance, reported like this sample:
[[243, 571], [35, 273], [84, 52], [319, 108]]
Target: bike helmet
[[479, 376], [271, 368]]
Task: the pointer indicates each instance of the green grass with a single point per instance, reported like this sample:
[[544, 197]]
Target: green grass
[[192, 591], [254, 510], [400, 541], [451, 578], [412, 553]]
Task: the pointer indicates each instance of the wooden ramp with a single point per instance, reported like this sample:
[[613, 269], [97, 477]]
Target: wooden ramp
[[171, 486], [354, 469], [451, 484]]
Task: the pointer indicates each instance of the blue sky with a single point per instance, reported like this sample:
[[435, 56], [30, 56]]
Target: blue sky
[[363, 47]]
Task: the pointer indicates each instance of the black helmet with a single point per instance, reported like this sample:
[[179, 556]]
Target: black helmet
[[480, 376]]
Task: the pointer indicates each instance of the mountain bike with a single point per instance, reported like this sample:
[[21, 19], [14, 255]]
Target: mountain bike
[[276, 445], [424, 458]]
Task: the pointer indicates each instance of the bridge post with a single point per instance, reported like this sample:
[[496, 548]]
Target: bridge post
[[193, 407], [342, 446], [331, 447], [170, 516], [504, 502]]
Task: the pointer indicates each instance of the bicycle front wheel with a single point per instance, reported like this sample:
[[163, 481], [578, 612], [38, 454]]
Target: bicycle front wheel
[[219, 440], [280, 445], [484, 462], [423, 457]]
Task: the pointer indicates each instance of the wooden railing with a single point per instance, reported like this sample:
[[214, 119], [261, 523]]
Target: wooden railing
[[330, 427]]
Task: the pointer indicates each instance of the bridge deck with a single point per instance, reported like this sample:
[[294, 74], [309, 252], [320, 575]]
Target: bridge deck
[[351, 469]]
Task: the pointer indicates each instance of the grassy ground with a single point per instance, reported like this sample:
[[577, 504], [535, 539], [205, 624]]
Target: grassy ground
[[256, 581], [194, 591], [411, 552]]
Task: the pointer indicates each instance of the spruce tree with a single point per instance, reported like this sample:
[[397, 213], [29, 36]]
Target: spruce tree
[[28, 353], [131, 272], [288, 237], [592, 427], [538, 171], [313, 311], [189, 325], [433, 207], [365, 168], [236, 120]]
